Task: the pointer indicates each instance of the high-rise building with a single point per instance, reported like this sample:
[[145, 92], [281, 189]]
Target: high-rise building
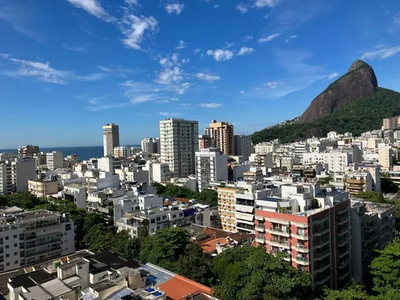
[[385, 157], [211, 166], [122, 151], [147, 145], [243, 145], [29, 237], [311, 229], [28, 150], [14, 175], [54, 160], [226, 208], [110, 138], [156, 145], [205, 141], [221, 134], [179, 142]]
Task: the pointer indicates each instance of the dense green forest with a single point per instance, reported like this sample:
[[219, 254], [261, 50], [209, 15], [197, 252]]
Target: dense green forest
[[360, 116]]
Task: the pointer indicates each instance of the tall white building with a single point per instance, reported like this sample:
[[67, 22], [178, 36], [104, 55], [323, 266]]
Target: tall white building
[[110, 138], [14, 175], [385, 157], [54, 160], [179, 142], [108, 163], [147, 145], [28, 237], [243, 145], [211, 166]]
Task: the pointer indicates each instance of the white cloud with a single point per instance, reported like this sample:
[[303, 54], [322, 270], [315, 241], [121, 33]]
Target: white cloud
[[134, 28], [73, 48], [207, 77], [131, 2], [174, 8], [292, 37], [197, 50], [169, 114], [210, 105], [44, 72], [243, 9], [94, 8], [181, 45], [333, 75], [242, 92], [181, 89], [269, 38], [245, 50], [220, 54], [273, 84], [169, 75], [247, 38], [266, 3], [382, 53]]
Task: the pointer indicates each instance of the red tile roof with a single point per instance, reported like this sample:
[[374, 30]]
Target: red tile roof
[[179, 287], [211, 246]]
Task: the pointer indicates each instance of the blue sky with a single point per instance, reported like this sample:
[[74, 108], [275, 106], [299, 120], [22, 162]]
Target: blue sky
[[69, 66]]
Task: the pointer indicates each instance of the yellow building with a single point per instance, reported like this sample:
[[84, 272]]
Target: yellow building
[[226, 208], [43, 188], [221, 134]]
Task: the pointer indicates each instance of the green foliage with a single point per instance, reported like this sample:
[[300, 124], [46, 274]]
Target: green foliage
[[354, 292], [360, 116], [386, 269], [249, 273], [314, 203], [164, 247], [207, 196], [325, 180], [388, 186]]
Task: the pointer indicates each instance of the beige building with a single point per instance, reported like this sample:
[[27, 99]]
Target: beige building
[[110, 138], [391, 123], [226, 208], [43, 187], [385, 157], [221, 134], [357, 182]]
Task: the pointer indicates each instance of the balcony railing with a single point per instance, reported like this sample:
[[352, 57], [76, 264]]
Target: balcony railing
[[260, 228]]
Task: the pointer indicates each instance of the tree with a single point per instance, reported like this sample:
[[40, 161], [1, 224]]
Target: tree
[[386, 269], [195, 265], [381, 199], [388, 186], [165, 247], [250, 273], [354, 292], [314, 203]]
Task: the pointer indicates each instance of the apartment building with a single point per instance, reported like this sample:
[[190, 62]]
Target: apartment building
[[221, 134], [264, 148], [8, 156], [243, 145], [43, 187], [77, 193], [158, 172], [122, 152], [133, 173], [179, 142], [386, 157], [28, 151], [226, 207], [315, 240], [54, 160], [27, 237], [147, 145], [335, 161], [372, 228], [40, 160], [357, 182], [15, 174], [151, 220], [391, 123], [110, 138], [211, 166], [205, 141]]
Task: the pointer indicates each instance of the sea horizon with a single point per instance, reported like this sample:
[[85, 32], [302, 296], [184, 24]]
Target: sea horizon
[[83, 152]]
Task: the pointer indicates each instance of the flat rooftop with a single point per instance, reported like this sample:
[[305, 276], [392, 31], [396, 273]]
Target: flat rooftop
[[27, 216]]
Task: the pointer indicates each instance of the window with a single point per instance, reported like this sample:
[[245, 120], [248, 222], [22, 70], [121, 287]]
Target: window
[[164, 217], [15, 253], [15, 236], [16, 262], [7, 246], [174, 216], [7, 255], [6, 237], [152, 221], [15, 245], [8, 264], [158, 218], [67, 227]]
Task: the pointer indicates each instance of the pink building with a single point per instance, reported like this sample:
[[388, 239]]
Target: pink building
[[312, 240]]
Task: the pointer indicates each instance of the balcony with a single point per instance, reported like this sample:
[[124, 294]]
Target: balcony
[[47, 250], [301, 248], [343, 254], [301, 235], [355, 181], [280, 243], [279, 231], [260, 240], [302, 260], [322, 254], [343, 264], [260, 228], [46, 242]]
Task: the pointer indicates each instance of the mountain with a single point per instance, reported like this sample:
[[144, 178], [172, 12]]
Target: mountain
[[357, 116], [359, 82]]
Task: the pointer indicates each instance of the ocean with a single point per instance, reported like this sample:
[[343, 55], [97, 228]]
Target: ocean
[[82, 152]]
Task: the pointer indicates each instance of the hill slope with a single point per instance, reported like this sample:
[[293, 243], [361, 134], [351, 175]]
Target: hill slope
[[359, 82], [361, 115]]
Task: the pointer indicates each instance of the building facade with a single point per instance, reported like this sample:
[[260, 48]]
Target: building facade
[[243, 145], [110, 138], [221, 134], [211, 166], [14, 175], [179, 142], [28, 237], [43, 187], [226, 208], [28, 151], [147, 145], [54, 160], [122, 152]]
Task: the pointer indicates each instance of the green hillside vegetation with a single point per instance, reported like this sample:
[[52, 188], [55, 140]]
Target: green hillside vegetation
[[360, 116]]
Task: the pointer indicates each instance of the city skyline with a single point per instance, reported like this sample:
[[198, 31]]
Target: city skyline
[[252, 63]]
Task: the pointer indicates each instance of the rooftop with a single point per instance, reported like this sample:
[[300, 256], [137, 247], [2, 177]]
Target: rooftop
[[27, 216], [113, 261], [30, 279], [178, 287]]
